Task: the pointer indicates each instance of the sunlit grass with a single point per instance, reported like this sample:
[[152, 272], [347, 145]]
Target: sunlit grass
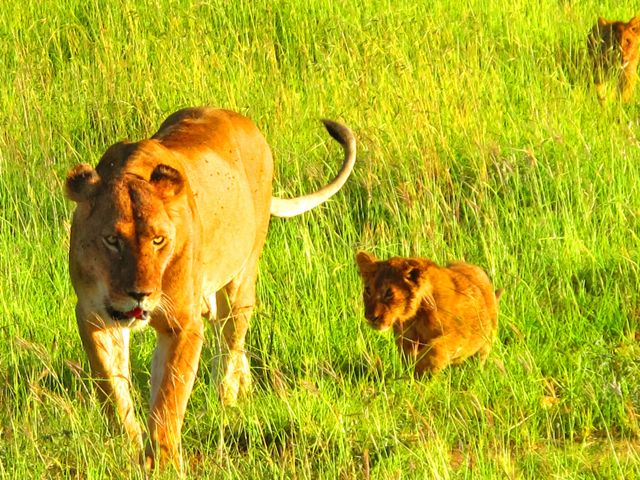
[[480, 138]]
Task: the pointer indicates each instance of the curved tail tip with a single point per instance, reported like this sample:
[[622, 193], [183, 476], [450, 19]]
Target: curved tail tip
[[338, 131]]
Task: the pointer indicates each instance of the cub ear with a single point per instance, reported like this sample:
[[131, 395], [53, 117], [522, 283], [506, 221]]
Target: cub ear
[[82, 183], [602, 21], [366, 262], [412, 271], [167, 180]]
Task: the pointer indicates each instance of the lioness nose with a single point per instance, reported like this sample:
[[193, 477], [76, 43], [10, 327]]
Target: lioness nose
[[139, 296]]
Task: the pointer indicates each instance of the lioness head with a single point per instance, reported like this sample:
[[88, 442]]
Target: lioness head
[[393, 289], [123, 236]]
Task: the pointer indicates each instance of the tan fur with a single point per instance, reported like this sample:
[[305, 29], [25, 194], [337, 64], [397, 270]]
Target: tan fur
[[162, 227], [613, 48], [440, 315]]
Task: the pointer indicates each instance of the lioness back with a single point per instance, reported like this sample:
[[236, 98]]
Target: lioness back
[[440, 315], [230, 169]]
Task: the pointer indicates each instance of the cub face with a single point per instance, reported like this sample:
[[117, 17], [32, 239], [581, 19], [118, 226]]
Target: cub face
[[614, 44], [613, 48], [628, 38], [393, 289], [612, 35]]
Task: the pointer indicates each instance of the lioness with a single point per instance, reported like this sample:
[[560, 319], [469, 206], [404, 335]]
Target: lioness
[[613, 48], [440, 315], [164, 227]]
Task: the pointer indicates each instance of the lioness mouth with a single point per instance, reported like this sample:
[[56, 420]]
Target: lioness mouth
[[137, 313]]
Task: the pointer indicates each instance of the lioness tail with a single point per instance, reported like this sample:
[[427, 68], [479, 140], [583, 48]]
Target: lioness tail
[[289, 207]]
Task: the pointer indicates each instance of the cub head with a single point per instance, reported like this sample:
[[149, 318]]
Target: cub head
[[394, 289], [628, 36], [123, 237], [625, 37]]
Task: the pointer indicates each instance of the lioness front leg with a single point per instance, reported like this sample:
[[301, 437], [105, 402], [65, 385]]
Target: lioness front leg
[[108, 352], [173, 371]]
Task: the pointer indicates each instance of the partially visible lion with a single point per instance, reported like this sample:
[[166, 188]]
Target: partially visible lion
[[167, 230], [613, 49], [439, 315]]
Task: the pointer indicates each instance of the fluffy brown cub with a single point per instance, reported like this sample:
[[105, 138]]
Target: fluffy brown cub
[[613, 48], [440, 315]]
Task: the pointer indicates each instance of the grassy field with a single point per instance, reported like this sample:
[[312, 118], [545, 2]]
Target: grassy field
[[480, 138]]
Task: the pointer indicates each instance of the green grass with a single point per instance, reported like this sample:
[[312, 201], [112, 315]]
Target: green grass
[[480, 138]]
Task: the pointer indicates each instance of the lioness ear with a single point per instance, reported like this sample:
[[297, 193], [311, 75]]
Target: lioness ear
[[499, 293], [602, 21], [82, 183], [366, 262], [634, 25], [167, 180]]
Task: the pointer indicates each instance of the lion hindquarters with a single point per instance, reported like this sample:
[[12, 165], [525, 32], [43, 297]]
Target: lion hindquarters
[[466, 315], [230, 325], [482, 307], [230, 365]]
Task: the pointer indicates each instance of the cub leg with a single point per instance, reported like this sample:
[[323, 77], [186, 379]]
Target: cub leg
[[599, 80], [601, 92], [628, 80], [483, 353], [431, 360]]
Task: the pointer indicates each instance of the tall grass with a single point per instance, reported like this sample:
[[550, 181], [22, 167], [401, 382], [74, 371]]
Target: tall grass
[[480, 138]]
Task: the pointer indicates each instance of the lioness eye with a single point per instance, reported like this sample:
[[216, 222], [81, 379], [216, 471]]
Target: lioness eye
[[112, 241], [159, 240], [388, 294]]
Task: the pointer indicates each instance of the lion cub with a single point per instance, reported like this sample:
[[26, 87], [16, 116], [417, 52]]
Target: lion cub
[[440, 315], [613, 48]]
